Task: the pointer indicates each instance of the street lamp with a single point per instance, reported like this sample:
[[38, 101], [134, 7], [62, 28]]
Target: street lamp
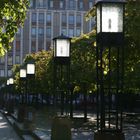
[[110, 14], [7, 83], [22, 73], [30, 68], [61, 53], [110, 38], [11, 81], [61, 47]]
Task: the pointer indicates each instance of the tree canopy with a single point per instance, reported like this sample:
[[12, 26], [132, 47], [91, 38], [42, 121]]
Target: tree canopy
[[12, 16]]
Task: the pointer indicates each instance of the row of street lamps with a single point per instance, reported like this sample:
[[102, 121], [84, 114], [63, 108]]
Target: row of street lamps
[[110, 32]]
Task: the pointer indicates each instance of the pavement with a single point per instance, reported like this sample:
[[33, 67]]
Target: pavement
[[42, 129], [6, 130]]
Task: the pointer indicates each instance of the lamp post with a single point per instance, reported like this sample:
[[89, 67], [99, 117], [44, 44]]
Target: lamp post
[[61, 55], [30, 68], [110, 38], [23, 78], [10, 83]]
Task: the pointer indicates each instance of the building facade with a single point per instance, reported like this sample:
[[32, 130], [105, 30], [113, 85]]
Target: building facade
[[45, 20]]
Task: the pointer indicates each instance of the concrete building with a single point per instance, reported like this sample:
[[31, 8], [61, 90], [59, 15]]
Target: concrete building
[[47, 19]]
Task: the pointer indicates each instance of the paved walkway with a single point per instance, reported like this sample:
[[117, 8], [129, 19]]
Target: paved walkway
[[6, 131]]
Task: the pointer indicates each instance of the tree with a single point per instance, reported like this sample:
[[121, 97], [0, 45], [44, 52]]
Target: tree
[[12, 15], [83, 59]]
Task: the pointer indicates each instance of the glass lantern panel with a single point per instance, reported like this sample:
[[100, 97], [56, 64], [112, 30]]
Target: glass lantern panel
[[30, 69], [11, 81], [7, 82], [112, 17], [22, 73], [63, 48]]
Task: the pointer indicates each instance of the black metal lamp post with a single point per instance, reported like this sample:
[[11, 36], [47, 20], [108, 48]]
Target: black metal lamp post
[[11, 83], [11, 101], [23, 78], [110, 38], [30, 72], [7, 87], [61, 66]]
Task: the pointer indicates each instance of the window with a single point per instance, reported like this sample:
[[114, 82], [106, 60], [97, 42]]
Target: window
[[17, 45], [9, 72], [2, 59], [72, 4], [40, 31], [64, 31], [48, 33], [32, 3], [78, 19], [61, 4], [33, 32], [2, 73], [10, 60], [78, 32], [71, 32], [17, 59], [81, 4], [50, 5], [90, 4], [64, 19], [48, 45], [48, 18], [33, 46], [33, 17], [41, 45], [41, 18], [40, 3], [71, 19], [19, 31]]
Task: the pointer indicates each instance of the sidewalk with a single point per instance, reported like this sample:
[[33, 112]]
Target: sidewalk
[[6, 131], [80, 130]]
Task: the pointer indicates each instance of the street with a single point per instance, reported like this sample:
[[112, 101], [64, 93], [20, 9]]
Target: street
[[6, 131]]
